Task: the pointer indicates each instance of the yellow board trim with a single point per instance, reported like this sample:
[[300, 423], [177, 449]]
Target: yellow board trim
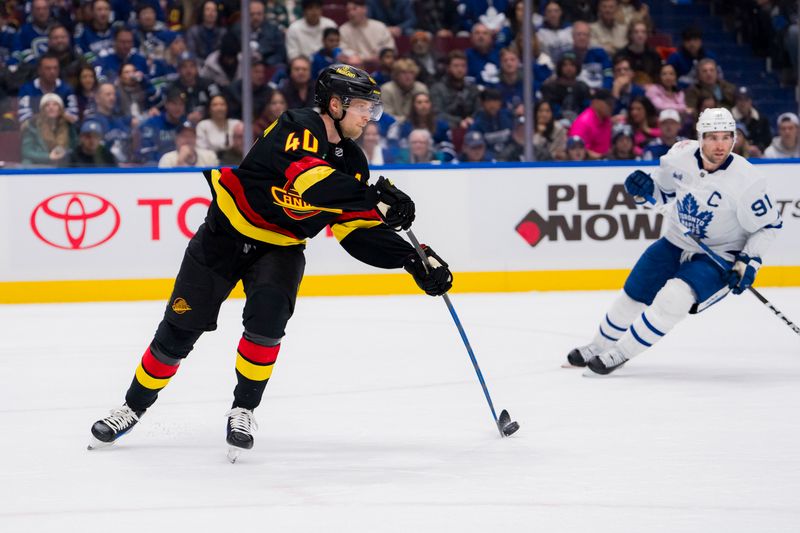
[[311, 177], [228, 206], [251, 371], [149, 381], [343, 229], [28, 292]]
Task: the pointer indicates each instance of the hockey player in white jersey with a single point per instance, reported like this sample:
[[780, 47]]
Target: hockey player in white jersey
[[722, 199]]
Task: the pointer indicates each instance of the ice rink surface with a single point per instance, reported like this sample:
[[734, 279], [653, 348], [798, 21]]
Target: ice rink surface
[[374, 421]]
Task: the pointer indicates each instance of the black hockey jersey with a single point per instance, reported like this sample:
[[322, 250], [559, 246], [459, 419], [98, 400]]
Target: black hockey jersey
[[293, 183]]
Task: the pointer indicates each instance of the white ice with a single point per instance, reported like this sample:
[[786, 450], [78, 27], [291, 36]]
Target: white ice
[[374, 421]]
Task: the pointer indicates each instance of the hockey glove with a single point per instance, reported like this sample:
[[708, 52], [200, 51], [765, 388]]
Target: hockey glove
[[639, 184], [743, 273], [395, 207], [434, 280]]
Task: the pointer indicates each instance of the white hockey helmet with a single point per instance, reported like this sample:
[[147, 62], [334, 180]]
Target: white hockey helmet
[[715, 119]]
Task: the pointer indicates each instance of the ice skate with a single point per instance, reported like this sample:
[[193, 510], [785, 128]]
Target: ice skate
[[241, 424], [106, 431], [580, 356], [605, 363]]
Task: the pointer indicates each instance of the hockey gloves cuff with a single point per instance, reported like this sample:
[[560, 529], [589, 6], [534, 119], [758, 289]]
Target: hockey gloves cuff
[[434, 280], [743, 273], [394, 206], [639, 184]]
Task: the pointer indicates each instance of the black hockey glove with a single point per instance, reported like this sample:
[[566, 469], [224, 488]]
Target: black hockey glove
[[395, 207], [434, 280]]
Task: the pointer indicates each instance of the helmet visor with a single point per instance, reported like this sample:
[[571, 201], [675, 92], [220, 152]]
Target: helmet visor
[[373, 110]]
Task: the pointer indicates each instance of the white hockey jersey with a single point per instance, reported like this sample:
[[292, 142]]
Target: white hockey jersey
[[729, 209]]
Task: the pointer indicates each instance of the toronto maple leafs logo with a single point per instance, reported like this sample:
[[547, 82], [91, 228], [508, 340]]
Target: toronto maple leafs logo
[[694, 220]]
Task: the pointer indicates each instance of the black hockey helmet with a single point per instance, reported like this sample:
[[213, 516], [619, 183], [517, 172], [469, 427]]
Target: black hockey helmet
[[347, 83]]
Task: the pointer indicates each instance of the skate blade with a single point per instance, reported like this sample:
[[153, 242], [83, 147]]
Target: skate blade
[[96, 444], [234, 453]]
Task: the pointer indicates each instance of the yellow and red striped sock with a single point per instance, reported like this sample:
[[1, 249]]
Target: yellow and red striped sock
[[254, 363]]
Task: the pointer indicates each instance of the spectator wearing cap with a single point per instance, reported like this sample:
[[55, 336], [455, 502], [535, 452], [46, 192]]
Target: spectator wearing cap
[[567, 95], [608, 32], [483, 59], [205, 36], [669, 124], [576, 149], [555, 35], [198, 90], [223, 66], [386, 60], [514, 150], [593, 125], [397, 94], [398, 15], [157, 134], [47, 137], [786, 144], [327, 55], [123, 52], [759, 131], [644, 61], [90, 151], [455, 98], [95, 38], [299, 87], [304, 36], [665, 93], [438, 17], [595, 64], [47, 81], [621, 143], [474, 149], [493, 120], [117, 128], [549, 135], [265, 37], [686, 58], [363, 35], [742, 145], [623, 89], [186, 153], [151, 36], [709, 82]]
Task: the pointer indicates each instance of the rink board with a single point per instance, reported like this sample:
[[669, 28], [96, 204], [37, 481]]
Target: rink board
[[120, 235]]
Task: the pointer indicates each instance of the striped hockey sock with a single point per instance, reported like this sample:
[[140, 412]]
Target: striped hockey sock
[[254, 364], [153, 374], [617, 321]]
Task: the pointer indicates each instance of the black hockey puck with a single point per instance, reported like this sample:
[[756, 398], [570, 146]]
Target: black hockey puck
[[507, 427]]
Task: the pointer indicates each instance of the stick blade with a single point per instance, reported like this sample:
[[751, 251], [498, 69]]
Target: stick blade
[[506, 425]]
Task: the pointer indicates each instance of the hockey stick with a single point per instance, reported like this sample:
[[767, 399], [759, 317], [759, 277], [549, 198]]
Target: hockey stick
[[722, 264], [504, 423]]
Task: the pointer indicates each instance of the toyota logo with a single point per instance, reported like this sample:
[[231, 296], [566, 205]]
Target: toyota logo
[[75, 220]]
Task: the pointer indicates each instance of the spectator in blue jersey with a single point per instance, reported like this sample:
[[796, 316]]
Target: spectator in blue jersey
[[455, 98], [483, 59], [198, 90], [509, 82], [326, 55], [59, 43], [474, 149], [94, 39], [423, 116], [163, 72], [596, 70], [266, 38], [123, 52], [117, 128], [386, 58], [152, 37], [490, 13], [623, 89], [30, 42], [397, 94], [686, 58], [398, 15], [567, 95], [298, 88], [669, 124], [542, 64], [157, 134], [48, 137], [555, 35], [493, 120], [136, 96], [205, 36], [48, 81]]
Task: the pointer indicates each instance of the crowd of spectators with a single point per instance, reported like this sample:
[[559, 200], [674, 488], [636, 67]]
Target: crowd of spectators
[[159, 82]]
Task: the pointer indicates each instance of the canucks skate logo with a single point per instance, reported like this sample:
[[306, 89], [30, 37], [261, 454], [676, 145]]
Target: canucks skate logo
[[690, 216]]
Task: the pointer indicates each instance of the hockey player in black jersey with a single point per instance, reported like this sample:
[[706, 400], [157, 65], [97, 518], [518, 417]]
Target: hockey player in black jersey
[[304, 173]]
